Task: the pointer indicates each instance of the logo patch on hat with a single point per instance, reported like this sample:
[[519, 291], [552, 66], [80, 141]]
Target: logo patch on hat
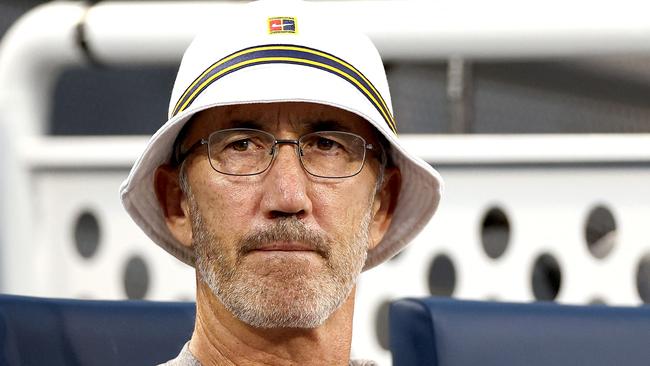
[[282, 25]]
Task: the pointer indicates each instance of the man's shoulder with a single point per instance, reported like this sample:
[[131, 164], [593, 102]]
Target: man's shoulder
[[184, 358], [363, 363]]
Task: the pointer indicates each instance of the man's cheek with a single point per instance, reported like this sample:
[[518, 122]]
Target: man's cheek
[[227, 203], [240, 198], [340, 207], [327, 200]]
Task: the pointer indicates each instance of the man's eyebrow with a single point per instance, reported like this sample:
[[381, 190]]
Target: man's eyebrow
[[324, 125], [311, 126], [236, 123]]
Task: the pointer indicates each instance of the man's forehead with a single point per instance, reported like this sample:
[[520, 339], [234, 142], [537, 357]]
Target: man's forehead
[[299, 116]]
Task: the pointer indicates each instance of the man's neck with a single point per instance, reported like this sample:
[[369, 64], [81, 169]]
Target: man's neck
[[221, 339]]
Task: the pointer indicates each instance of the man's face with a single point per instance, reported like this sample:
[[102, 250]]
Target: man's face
[[282, 248]]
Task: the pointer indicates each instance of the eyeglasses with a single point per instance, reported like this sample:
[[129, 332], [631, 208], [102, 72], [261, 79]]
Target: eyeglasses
[[245, 151]]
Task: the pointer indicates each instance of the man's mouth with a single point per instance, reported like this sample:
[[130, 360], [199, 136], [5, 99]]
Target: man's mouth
[[283, 246], [283, 238]]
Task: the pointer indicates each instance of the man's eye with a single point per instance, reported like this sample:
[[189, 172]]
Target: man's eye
[[326, 144], [240, 145]]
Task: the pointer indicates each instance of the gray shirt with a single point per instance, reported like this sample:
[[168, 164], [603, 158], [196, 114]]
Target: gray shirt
[[186, 358]]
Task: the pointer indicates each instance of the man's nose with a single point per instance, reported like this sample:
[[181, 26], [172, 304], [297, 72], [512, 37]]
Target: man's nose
[[286, 185]]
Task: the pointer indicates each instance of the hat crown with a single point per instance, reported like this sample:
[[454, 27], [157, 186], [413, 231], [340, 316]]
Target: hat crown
[[245, 27]]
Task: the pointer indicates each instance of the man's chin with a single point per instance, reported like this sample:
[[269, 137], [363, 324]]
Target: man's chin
[[285, 295], [283, 265], [293, 303]]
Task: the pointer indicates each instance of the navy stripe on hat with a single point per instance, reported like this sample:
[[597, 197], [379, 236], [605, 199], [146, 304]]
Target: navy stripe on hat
[[286, 54]]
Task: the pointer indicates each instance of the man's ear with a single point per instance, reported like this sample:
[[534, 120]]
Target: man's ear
[[173, 203], [384, 205]]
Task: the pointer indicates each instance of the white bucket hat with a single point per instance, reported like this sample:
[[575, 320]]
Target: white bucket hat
[[282, 52]]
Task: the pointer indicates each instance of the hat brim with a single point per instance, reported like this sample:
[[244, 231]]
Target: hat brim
[[421, 186]]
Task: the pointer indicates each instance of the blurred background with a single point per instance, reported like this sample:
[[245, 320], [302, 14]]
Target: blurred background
[[546, 156]]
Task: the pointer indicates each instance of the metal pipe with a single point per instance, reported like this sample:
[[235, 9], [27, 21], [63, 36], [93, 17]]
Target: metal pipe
[[33, 52], [402, 30], [120, 152]]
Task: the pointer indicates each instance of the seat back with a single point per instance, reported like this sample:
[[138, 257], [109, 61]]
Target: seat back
[[445, 332], [37, 331]]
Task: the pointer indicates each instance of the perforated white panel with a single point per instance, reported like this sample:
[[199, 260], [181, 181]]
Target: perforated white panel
[[60, 197], [547, 208]]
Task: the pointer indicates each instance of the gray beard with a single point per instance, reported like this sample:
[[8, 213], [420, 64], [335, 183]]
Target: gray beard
[[304, 298]]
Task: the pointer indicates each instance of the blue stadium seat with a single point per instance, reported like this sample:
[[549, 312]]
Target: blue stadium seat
[[38, 331], [445, 332]]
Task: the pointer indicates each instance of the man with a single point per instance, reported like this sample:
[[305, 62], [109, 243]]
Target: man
[[279, 177]]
